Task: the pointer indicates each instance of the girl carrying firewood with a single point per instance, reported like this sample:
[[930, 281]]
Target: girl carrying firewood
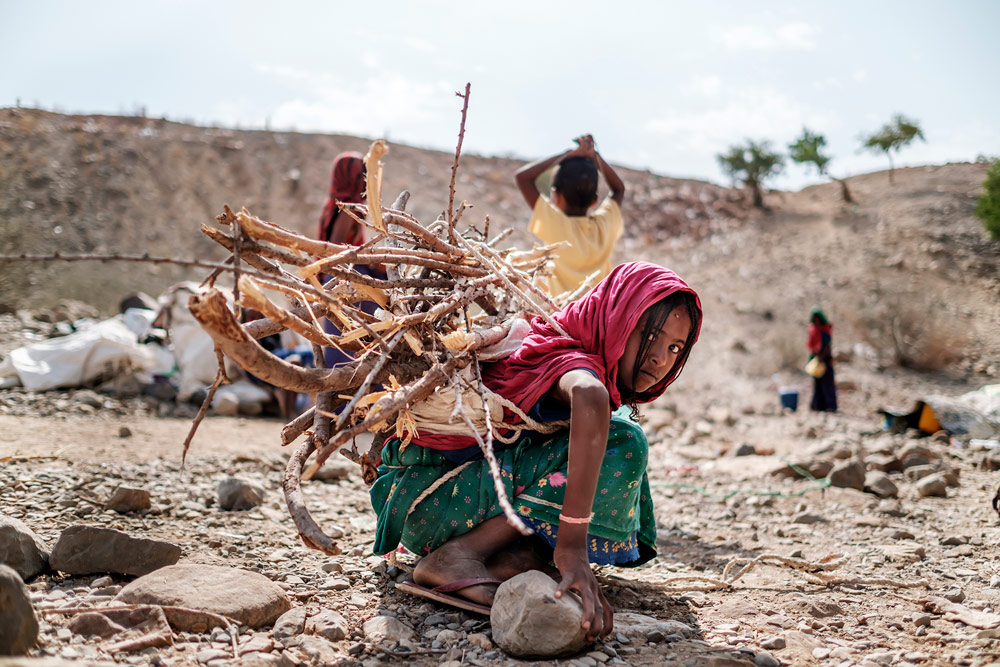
[[583, 488]]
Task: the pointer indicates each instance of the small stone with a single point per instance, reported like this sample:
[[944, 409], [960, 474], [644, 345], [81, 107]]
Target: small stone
[[237, 494], [336, 584], [922, 620], [447, 636], [954, 540], [332, 566], [124, 432], [434, 619], [528, 620], [386, 628], [744, 449], [880, 484], [482, 641], [101, 582], [933, 485], [21, 549], [765, 659], [848, 474], [328, 624], [127, 499], [289, 624], [18, 624], [808, 518], [954, 595], [773, 643]]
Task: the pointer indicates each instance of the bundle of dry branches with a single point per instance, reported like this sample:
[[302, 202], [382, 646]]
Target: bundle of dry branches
[[447, 296]]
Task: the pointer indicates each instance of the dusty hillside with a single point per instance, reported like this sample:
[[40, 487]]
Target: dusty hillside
[[110, 184]]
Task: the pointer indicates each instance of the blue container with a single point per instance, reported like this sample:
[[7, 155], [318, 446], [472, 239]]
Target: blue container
[[789, 399]]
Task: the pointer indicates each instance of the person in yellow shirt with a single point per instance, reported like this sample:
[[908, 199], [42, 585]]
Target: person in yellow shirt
[[565, 217]]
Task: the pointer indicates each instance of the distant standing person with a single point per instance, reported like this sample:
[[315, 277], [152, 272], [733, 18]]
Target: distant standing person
[[820, 346], [347, 186], [565, 216]]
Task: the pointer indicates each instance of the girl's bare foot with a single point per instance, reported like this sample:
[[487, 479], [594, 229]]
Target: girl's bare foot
[[450, 563]]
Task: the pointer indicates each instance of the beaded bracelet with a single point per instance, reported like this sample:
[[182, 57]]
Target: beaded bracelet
[[575, 519]]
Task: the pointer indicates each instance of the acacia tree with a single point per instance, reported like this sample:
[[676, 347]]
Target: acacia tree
[[752, 163], [807, 149], [893, 136], [988, 206]]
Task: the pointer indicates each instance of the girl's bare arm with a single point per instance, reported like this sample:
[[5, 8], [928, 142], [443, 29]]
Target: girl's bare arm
[[590, 418]]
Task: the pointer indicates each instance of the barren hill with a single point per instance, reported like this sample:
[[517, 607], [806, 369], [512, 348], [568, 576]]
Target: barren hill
[[129, 185], [907, 274]]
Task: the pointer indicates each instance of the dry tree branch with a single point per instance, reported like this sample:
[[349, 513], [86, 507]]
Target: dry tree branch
[[454, 167]]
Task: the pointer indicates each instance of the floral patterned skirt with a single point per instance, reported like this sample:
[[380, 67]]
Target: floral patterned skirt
[[622, 532]]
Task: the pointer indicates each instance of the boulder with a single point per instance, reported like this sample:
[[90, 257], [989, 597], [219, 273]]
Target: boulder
[[21, 549], [246, 597], [90, 549], [237, 494], [528, 620], [18, 625]]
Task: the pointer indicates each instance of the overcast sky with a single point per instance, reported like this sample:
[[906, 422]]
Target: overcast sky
[[661, 85]]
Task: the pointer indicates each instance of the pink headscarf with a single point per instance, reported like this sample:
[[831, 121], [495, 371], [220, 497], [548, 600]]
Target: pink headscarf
[[598, 325], [346, 185]]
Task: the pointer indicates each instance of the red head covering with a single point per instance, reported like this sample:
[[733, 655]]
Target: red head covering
[[346, 185], [598, 325]]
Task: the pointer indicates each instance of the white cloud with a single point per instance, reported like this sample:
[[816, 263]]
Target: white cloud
[[740, 112], [787, 37], [860, 75], [381, 103]]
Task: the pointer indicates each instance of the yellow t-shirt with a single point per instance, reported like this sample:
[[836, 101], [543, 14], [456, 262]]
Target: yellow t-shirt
[[591, 239]]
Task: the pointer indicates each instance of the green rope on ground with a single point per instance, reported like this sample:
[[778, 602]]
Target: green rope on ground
[[817, 484]]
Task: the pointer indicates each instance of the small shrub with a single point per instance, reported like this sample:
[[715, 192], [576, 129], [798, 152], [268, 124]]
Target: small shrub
[[904, 330], [988, 206]]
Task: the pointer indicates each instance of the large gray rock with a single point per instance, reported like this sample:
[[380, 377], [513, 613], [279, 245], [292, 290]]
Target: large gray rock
[[21, 549], [848, 474], [90, 549], [878, 482], [18, 625], [528, 620], [249, 598], [238, 494]]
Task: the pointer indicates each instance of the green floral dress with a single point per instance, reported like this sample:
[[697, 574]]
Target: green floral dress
[[622, 532]]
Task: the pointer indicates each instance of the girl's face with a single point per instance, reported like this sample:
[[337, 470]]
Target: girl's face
[[665, 347]]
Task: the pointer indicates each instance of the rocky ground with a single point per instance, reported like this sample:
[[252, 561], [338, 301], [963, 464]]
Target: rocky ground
[[929, 524]]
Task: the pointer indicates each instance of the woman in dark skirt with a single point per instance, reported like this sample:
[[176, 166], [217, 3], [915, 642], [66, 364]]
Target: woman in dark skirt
[[820, 346]]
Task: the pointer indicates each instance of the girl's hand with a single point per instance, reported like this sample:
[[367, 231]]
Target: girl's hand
[[574, 566], [584, 146]]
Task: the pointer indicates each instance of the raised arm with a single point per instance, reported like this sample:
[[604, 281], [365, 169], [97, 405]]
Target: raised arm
[[526, 176], [590, 419], [614, 181]]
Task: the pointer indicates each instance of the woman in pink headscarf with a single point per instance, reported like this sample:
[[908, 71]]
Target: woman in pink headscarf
[[583, 490], [347, 186]]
